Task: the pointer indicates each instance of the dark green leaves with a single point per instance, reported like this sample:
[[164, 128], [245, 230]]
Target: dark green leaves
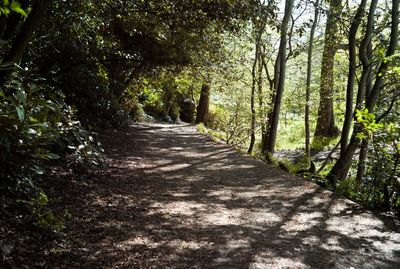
[[21, 112]]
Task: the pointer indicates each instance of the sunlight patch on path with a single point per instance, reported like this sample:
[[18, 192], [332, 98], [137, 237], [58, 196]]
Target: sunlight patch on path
[[192, 203]]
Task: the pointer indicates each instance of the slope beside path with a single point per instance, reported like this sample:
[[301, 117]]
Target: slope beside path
[[171, 198]]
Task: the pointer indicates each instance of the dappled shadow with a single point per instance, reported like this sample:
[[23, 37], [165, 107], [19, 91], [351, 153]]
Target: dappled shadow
[[171, 198]]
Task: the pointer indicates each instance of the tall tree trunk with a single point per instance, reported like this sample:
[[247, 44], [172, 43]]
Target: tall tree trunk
[[348, 119], [261, 108], [273, 87], [394, 34], [340, 169], [202, 108], [326, 119], [258, 31], [273, 84], [267, 114], [362, 160], [273, 127], [308, 82], [365, 82], [252, 99], [365, 52]]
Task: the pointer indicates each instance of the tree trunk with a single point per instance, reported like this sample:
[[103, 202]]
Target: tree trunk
[[362, 161], [252, 103], [308, 82], [365, 83], [261, 108], [273, 87], [365, 52], [326, 119], [273, 126], [258, 32], [202, 108], [267, 114], [342, 166], [340, 169], [377, 88], [348, 119], [31, 23]]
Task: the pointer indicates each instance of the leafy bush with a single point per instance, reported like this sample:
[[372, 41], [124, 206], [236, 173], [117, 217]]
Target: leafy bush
[[135, 109], [201, 128], [381, 185], [152, 103], [174, 112], [349, 188], [217, 119], [188, 110], [111, 113], [36, 128], [41, 215], [234, 124]]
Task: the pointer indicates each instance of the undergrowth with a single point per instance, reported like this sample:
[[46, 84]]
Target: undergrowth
[[38, 130]]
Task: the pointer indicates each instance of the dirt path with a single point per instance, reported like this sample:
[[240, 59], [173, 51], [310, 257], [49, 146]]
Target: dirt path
[[172, 198]]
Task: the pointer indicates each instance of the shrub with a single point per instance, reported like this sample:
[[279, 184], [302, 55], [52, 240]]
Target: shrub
[[36, 128], [188, 110], [136, 110]]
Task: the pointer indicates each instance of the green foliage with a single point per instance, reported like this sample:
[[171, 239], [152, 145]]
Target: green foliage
[[216, 135], [112, 113], [368, 123], [319, 143], [289, 132], [38, 128], [167, 97], [136, 110], [231, 121], [382, 180], [201, 128], [28, 122], [379, 188], [7, 7], [349, 188], [152, 102], [112, 46], [42, 216]]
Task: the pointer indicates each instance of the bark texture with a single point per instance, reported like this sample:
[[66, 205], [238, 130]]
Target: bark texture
[[256, 80], [202, 108], [280, 86], [326, 120], [308, 82], [364, 85], [349, 114], [340, 170]]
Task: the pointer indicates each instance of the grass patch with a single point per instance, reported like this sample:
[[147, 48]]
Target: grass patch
[[319, 143], [290, 135], [215, 135], [201, 128]]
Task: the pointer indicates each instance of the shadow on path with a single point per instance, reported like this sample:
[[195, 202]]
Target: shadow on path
[[171, 198]]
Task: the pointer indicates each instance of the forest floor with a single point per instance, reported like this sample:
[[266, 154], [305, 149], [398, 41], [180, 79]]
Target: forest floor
[[172, 198]]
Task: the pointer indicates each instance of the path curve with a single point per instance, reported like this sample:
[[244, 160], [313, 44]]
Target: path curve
[[172, 198]]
